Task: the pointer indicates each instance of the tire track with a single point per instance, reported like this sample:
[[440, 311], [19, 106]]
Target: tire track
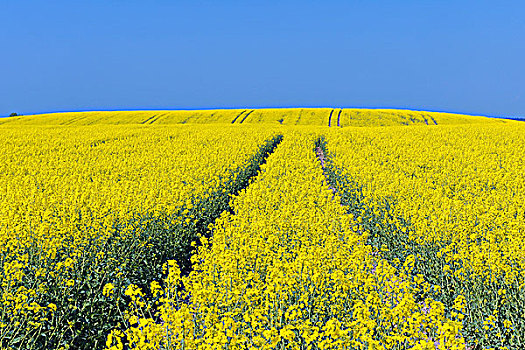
[[246, 116], [237, 117], [151, 242], [399, 245], [330, 118], [151, 121], [147, 120], [339, 118]]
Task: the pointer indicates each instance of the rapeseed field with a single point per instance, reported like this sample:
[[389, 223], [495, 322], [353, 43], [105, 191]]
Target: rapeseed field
[[278, 116], [265, 229]]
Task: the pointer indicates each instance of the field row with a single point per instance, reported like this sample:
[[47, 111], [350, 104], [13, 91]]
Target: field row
[[283, 116]]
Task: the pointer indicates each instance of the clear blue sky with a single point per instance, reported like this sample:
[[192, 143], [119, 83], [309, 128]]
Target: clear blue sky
[[463, 56]]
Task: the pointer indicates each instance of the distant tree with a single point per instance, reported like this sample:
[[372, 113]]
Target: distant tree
[[13, 114]]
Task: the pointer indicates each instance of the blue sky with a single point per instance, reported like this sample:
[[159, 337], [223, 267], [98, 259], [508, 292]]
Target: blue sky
[[462, 56]]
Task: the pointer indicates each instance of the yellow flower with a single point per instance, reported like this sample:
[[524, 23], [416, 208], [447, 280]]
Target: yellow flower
[[108, 289]]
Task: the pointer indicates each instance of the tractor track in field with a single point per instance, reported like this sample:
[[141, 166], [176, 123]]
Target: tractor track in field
[[237, 117], [339, 117], [165, 239], [246, 116], [330, 118], [323, 159], [151, 119], [222, 200], [393, 240]]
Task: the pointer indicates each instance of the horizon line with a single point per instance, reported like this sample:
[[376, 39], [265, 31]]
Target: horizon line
[[270, 107]]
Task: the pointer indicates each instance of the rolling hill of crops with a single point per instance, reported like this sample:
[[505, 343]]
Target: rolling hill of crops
[[285, 116], [297, 229]]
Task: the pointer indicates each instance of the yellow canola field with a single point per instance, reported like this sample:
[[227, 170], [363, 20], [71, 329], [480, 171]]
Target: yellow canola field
[[65, 191], [289, 116], [393, 117], [289, 269], [90, 209], [277, 116], [454, 196], [460, 185]]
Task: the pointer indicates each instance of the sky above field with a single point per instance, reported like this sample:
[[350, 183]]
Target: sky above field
[[459, 56]]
